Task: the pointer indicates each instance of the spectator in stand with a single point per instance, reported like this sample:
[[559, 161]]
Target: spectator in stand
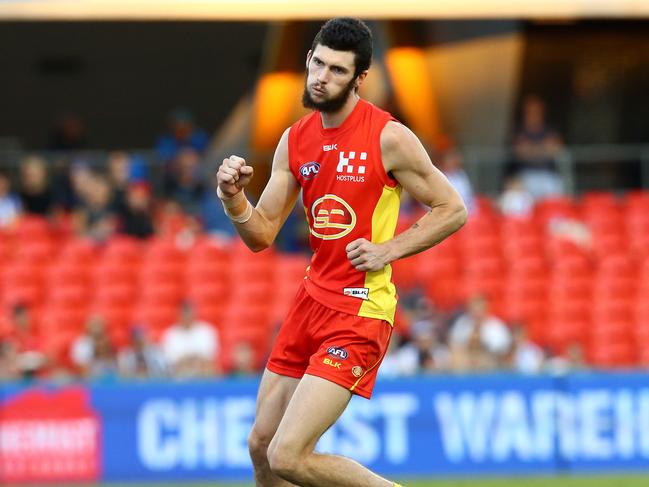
[[214, 220], [516, 201], [141, 359], [536, 150], [119, 172], [526, 356], [136, 219], [10, 208], [9, 370], [35, 193], [190, 347], [243, 360], [185, 181], [425, 353], [449, 161], [571, 360], [472, 356], [94, 218], [182, 133], [31, 358], [491, 331], [93, 353]]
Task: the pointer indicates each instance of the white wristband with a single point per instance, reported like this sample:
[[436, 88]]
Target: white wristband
[[244, 217], [226, 202]]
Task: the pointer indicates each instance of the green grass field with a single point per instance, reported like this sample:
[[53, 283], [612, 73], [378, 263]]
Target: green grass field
[[585, 481]]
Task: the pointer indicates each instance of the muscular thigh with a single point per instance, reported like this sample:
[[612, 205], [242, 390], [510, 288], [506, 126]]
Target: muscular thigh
[[315, 406], [275, 392]]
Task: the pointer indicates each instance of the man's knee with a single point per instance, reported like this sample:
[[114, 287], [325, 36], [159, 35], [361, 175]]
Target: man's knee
[[258, 444], [284, 461]]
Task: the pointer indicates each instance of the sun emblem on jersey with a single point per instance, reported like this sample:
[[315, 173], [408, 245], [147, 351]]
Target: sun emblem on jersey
[[331, 217]]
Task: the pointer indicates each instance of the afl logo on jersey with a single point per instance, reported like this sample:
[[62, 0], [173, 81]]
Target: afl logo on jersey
[[309, 170], [331, 217]]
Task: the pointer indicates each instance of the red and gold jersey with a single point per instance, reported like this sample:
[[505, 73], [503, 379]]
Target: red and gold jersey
[[346, 195]]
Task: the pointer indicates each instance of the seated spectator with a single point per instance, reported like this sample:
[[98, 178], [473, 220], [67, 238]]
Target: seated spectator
[[119, 172], [190, 347], [35, 194], [425, 353], [185, 182], [9, 370], [536, 149], [214, 220], [449, 161], [526, 356], [493, 333], [141, 359], [30, 355], [94, 218], [472, 356], [135, 218], [516, 201], [243, 360], [93, 353], [572, 359], [10, 207], [182, 133]]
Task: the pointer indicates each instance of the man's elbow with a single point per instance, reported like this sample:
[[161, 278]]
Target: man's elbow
[[257, 247], [460, 214]]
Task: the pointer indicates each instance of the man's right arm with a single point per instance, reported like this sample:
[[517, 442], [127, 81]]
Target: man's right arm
[[258, 226]]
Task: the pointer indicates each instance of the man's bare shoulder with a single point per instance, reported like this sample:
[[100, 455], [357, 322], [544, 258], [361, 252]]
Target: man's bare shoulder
[[398, 144]]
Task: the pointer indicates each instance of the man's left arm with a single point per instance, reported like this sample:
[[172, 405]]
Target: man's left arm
[[406, 159]]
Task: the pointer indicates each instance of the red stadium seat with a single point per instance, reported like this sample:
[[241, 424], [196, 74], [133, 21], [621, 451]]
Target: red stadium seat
[[69, 295], [612, 354], [115, 294], [167, 292], [69, 273], [78, 251], [162, 250], [31, 228], [63, 320], [123, 250], [38, 252]]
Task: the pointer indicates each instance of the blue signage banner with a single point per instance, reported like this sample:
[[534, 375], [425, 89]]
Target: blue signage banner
[[441, 425]]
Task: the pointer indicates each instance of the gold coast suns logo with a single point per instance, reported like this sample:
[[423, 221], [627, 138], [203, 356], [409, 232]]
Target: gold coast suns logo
[[331, 217]]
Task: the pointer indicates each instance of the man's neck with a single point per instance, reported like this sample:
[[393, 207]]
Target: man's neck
[[335, 119]]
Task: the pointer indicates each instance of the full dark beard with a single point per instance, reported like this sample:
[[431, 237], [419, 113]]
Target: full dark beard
[[327, 106]]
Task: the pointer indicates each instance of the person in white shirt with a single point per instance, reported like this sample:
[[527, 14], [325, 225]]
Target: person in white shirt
[[527, 357], [494, 333], [190, 346]]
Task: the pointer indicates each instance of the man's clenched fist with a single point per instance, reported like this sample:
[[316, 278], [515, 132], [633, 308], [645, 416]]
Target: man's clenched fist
[[233, 175]]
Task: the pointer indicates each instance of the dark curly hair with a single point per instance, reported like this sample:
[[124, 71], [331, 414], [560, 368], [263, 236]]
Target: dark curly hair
[[347, 34]]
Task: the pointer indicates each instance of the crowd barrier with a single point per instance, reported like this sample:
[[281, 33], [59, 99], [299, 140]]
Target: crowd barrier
[[500, 424]]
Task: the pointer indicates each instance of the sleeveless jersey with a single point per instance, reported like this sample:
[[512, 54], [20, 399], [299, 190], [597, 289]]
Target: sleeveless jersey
[[346, 195]]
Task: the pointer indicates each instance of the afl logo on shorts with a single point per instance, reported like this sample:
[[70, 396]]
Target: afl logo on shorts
[[341, 353], [357, 371], [331, 217], [309, 170]]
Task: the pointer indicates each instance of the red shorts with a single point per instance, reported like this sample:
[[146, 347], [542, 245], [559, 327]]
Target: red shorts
[[343, 348]]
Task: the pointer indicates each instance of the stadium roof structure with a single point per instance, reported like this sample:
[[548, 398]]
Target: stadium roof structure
[[264, 10]]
